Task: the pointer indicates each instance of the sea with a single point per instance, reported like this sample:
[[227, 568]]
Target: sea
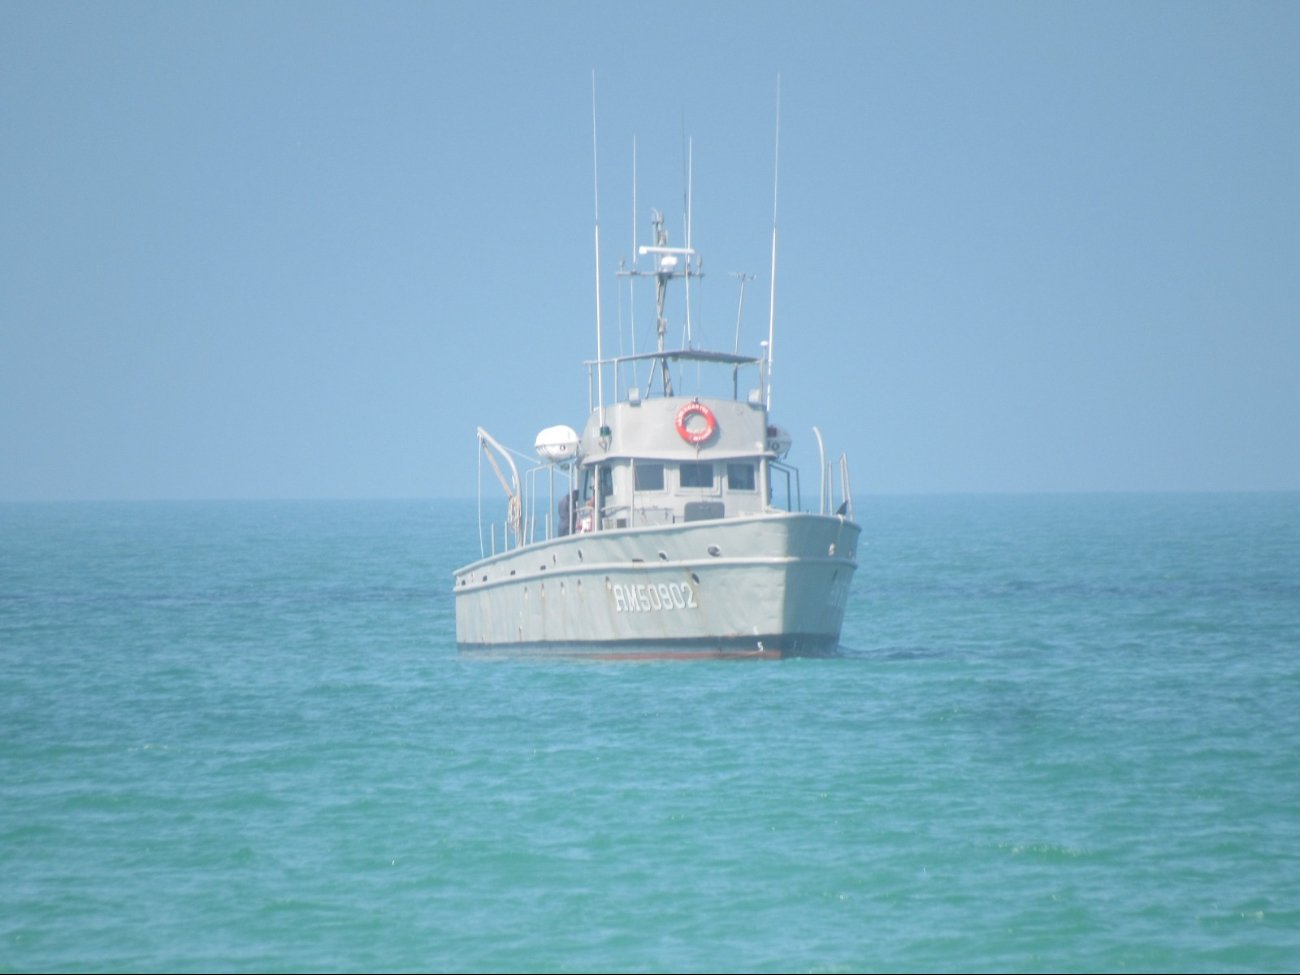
[[1062, 734]]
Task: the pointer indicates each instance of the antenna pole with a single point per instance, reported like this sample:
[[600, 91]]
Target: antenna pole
[[634, 238], [690, 192], [595, 180], [771, 308], [632, 278], [690, 171]]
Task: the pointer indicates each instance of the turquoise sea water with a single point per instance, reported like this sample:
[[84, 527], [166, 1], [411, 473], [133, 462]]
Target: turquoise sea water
[[1063, 734]]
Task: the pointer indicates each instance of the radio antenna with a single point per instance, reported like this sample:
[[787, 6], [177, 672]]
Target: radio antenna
[[690, 171], [631, 281], [634, 238], [595, 181], [771, 307]]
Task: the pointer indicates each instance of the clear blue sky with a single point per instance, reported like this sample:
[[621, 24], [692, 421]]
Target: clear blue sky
[[302, 249]]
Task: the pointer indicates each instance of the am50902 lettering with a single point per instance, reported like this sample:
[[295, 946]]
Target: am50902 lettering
[[649, 597]]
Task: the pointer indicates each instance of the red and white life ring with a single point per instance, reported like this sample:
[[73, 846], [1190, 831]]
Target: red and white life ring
[[695, 432]]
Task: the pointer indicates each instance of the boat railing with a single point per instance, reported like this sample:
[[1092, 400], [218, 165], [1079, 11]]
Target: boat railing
[[826, 490], [790, 477], [828, 506], [530, 510], [691, 372], [846, 490], [544, 525], [523, 524], [615, 516], [644, 515]]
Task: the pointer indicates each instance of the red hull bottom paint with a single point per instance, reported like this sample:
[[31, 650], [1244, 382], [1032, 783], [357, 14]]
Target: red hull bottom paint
[[747, 648]]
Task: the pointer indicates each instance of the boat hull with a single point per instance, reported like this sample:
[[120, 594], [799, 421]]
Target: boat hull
[[765, 586]]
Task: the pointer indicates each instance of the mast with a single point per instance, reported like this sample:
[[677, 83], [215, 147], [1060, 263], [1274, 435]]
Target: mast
[[690, 171], [631, 284], [771, 307], [669, 262], [666, 261], [595, 180]]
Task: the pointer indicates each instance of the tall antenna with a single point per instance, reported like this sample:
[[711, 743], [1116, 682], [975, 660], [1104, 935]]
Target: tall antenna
[[631, 281], [690, 192], [595, 181], [690, 170], [634, 239], [771, 308]]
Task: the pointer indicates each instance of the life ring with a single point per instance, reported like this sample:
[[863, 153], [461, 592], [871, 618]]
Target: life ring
[[694, 433]]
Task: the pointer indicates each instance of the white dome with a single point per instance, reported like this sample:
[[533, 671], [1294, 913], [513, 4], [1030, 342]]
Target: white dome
[[557, 444]]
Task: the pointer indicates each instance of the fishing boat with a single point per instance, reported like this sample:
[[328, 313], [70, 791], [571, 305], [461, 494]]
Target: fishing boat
[[672, 525]]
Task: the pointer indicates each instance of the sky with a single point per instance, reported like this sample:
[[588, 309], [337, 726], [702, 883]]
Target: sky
[[303, 249]]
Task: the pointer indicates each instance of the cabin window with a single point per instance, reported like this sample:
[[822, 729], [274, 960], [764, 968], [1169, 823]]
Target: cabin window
[[740, 477], [696, 475], [649, 477]]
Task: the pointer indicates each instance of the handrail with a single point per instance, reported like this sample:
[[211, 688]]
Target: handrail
[[793, 500], [846, 490], [823, 500]]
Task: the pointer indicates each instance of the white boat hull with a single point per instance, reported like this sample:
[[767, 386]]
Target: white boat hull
[[768, 585]]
